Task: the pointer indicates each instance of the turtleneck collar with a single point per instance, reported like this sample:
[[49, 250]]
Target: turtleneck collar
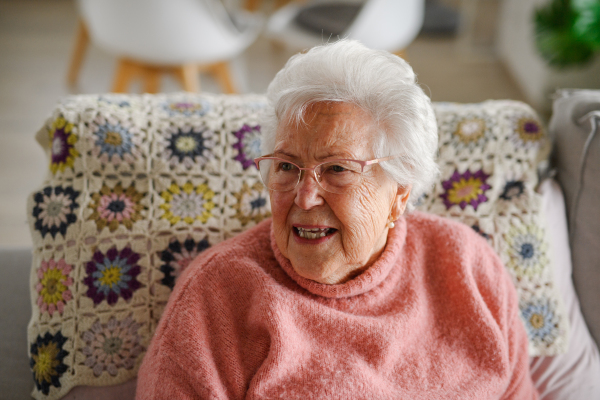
[[364, 282]]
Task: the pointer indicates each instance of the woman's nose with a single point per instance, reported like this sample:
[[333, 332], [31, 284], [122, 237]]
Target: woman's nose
[[308, 192]]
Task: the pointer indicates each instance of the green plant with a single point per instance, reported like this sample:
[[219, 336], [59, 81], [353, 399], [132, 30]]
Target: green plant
[[568, 31]]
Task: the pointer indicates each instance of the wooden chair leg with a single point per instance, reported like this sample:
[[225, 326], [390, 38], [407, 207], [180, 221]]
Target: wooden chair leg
[[151, 77], [126, 70], [82, 41], [189, 76], [221, 72]]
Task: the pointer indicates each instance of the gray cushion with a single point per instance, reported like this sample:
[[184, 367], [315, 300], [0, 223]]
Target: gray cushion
[[15, 311], [575, 127]]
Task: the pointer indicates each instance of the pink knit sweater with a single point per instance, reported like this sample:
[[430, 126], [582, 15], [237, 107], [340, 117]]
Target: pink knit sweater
[[435, 317]]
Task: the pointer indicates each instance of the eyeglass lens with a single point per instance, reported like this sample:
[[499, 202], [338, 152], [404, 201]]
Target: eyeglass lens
[[335, 176]]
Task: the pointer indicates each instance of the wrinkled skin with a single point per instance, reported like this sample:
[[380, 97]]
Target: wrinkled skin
[[360, 217]]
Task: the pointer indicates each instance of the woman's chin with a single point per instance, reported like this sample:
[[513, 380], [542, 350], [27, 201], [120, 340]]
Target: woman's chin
[[315, 270], [317, 275], [313, 258]]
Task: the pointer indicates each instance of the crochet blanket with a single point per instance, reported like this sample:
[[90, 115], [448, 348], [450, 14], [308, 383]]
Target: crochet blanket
[[137, 186]]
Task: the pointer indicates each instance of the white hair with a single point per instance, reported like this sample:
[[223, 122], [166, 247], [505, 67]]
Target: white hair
[[378, 82]]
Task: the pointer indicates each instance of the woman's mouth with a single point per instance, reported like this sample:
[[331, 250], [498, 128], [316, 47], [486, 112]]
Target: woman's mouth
[[313, 233]]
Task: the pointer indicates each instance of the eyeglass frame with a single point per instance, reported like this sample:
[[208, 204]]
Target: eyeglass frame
[[363, 164]]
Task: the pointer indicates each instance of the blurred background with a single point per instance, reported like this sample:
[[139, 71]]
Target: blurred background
[[461, 51]]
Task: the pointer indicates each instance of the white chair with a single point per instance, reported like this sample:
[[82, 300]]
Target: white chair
[[151, 37], [381, 24]]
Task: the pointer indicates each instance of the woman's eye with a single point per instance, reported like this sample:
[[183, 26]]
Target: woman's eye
[[286, 166], [341, 168], [337, 168]]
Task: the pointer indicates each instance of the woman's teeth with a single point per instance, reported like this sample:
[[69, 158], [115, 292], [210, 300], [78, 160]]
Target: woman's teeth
[[313, 233]]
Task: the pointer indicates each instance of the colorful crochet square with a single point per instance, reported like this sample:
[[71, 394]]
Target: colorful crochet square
[[112, 275], [248, 145], [187, 203], [62, 145], [470, 130], [114, 207], [54, 210], [527, 250], [252, 204], [114, 143], [46, 361], [466, 188], [178, 256], [189, 146], [528, 132], [512, 189], [187, 108], [53, 286], [540, 320], [112, 346]]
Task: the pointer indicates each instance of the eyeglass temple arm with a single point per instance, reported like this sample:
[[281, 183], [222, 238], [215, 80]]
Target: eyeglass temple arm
[[378, 160], [258, 159]]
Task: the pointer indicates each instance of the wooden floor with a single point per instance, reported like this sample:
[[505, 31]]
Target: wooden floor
[[36, 37]]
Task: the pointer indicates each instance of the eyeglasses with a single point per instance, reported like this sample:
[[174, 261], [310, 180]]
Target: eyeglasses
[[334, 176]]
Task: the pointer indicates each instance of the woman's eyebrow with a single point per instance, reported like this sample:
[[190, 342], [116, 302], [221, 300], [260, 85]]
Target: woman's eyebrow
[[283, 153], [336, 155], [332, 154]]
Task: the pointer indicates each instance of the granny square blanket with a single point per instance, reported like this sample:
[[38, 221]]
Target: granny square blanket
[[139, 185]]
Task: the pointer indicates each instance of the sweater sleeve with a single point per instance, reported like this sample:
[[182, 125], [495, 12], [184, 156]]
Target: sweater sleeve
[[211, 338], [179, 363], [201, 347], [520, 385]]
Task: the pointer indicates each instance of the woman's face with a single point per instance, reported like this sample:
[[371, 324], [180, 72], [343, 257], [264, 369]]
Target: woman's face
[[355, 222]]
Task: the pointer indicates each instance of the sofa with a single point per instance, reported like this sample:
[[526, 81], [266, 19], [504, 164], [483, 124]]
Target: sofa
[[124, 171]]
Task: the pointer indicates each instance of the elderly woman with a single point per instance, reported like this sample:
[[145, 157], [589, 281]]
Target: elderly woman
[[343, 295]]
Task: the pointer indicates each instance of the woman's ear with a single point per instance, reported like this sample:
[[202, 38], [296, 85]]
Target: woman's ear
[[400, 201]]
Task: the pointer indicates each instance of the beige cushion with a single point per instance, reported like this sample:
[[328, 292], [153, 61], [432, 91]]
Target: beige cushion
[[574, 375]]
